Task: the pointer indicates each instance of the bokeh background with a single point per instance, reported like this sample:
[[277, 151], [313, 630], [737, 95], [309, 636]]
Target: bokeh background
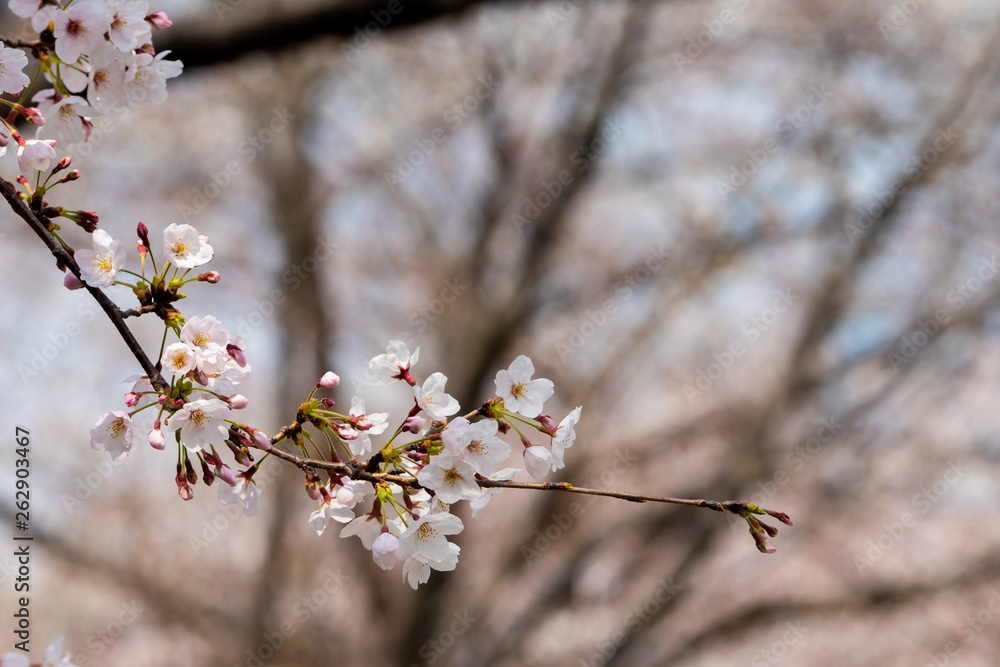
[[757, 241]]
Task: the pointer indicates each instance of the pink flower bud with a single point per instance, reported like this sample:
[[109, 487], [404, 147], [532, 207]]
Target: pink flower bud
[[141, 248], [414, 424], [345, 431], [86, 219], [71, 282], [385, 550], [156, 440], [261, 441], [185, 492], [537, 461], [237, 354], [241, 455], [225, 473], [207, 475], [143, 233], [63, 163], [238, 401], [159, 20], [131, 399], [780, 516], [31, 114], [73, 175], [210, 277], [329, 379], [548, 424], [327, 403]]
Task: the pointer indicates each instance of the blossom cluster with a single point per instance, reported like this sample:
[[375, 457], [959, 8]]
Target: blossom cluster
[[447, 456], [98, 56], [398, 500], [206, 366]]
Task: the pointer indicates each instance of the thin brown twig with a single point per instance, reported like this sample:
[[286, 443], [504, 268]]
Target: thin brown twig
[[114, 313], [117, 316], [358, 473], [141, 310]]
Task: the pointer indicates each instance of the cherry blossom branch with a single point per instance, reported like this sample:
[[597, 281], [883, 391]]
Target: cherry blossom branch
[[364, 471], [114, 313], [631, 497], [141, 310], [21, 43], [361, 474]]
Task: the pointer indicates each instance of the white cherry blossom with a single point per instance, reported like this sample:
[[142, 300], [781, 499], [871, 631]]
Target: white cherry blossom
[[417, 569], [208, 338], [519, 392], [106, 89], [80, 29], [184, 247], [385, 551], [129, 28], [112, 434], [362, 445], [338, 505], [426, 537], [565, 435], [35, 155], [246, 494], [178, 358], [395, 363], [477, 443], [450, 477], [146, 78], [67, 118], [365, 527], [12, 62], [433, 399], [201, 423], [537, 461], [99, 267]]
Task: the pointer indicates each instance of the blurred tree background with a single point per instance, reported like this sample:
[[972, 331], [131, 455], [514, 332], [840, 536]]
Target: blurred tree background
[[755, 240]]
